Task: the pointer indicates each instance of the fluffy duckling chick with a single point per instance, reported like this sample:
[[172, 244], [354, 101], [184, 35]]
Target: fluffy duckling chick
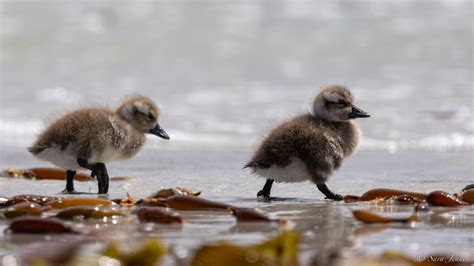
[[89, 137], [310, 146]]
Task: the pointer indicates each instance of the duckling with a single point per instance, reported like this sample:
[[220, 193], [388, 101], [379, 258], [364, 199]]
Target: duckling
[[310, 146], [89, 137]]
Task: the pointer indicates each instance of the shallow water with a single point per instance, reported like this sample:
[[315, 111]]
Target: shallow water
[[225, 72], [325, 226], [219, 173]]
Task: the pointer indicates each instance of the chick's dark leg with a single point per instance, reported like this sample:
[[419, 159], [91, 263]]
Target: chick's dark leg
[[102, 177], [328, 193], [69, 182], [265, 192], [99, 171]]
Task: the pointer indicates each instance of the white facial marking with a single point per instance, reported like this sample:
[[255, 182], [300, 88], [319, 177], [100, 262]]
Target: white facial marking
[[332, 97], [321, 110], [141, 107]]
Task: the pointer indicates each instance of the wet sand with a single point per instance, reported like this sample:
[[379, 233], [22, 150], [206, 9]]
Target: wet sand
[[324, 225]]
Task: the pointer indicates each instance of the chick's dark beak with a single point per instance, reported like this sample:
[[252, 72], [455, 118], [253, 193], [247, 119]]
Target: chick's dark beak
[[358, 113], [159, 131]]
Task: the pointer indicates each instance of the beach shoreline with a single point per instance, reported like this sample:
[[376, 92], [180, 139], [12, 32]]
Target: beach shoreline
[[219, 173], [324, 225]]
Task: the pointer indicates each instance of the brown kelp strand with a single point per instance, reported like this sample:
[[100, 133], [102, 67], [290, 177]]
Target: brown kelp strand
[[468, 196], [42, 173], [441, 198], [34, 225], [120, 178], [88, 212], [102, 212], [22, 209], [406, 198], [41, 200], [151, 202], [129, 201], [15, 172], [249, 215], [156, 215], [56, 174], [165, 193], [48, 173], [422, 207], [388, 193], [121, 202], [370, 217], [351, 198], [71, 202], [182, 202]]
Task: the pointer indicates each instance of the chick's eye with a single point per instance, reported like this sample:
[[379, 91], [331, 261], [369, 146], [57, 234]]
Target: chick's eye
[[341, 104], [149, 117]]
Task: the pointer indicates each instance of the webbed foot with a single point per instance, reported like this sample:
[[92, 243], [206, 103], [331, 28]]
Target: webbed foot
[[335, 197], [265, 192], [71, 192], [328, 193]]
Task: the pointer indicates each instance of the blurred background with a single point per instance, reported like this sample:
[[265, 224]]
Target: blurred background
[[224, 72]]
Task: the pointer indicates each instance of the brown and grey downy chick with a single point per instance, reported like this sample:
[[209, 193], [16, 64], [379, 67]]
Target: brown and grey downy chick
[[89, 137], [310, 146]]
